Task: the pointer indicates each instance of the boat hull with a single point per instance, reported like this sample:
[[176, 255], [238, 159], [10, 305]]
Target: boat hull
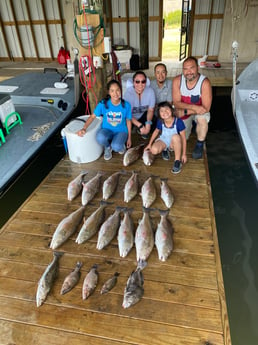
[[246, 113]]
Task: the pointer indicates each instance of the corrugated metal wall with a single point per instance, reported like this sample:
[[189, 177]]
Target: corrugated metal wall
[[35, 29], [207, 27], [31, 29], [126, 25]]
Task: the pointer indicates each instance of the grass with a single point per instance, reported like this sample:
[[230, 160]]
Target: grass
[[171, 44]]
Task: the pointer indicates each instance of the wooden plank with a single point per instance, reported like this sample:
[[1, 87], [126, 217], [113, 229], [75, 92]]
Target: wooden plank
[[143, 333], [30, 334], [180, 270]]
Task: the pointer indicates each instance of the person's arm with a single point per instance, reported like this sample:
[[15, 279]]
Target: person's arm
[[153, 137], [129, 128], [206, 95], [183, 138], [147, 127], [82, 131]]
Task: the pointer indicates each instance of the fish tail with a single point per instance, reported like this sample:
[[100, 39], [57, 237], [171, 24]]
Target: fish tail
[[95, 266], [163, 212], [121, 208], [106, 203], [58, 254], [164, 179], [128, 210], [141, 264], [79, 264], [147, 209]]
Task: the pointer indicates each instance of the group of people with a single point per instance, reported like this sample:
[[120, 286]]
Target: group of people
[[161, 110]]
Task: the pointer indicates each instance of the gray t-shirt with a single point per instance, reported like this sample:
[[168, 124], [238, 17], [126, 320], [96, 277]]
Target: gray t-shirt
[[140, 104], [162, 94]]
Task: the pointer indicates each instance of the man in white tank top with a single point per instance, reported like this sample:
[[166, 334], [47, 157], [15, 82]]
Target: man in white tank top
[[192, 97]]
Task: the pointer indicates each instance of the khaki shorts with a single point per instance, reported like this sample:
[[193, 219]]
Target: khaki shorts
[[189, 122]]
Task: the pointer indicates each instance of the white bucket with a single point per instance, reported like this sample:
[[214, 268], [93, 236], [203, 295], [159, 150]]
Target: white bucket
[[83, 149]]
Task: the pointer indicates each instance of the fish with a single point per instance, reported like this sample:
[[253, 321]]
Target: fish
[[134, 290], [75, 186], [110, 185], [67, 227], [133, 154], [72, 279], [148, 192], [164, 236], [90, 282], [47, 279], [148, 157], [109, 229], [166, 193], [144, 237], [125, 236], [92, 224], [131, 187], [109, 284], [91, 188]]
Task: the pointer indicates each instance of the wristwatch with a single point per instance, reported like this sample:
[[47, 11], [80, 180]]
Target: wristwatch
[[148, 123]]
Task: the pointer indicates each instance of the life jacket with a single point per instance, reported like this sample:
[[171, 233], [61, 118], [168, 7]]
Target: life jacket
[[62, 56]]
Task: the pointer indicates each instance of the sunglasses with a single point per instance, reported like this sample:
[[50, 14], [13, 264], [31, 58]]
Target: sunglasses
[[140, 81]]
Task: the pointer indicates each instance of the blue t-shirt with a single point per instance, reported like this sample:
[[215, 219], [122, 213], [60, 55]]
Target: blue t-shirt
[[180, 126], [114, 116]]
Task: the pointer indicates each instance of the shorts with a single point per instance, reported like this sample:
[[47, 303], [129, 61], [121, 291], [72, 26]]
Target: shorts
[[189, 122]]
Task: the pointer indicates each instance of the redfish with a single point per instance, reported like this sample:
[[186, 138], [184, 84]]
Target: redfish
[[90, 282], [47, 279]]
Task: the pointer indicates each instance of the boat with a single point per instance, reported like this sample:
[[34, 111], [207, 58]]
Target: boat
[[246, 113], [43, 102]]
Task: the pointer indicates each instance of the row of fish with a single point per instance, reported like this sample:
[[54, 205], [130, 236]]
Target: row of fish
[[144, 238], [132, 292], [148, 189]]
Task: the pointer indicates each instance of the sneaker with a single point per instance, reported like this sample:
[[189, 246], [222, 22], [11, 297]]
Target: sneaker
[[122, 151], [144, 136], [107, 153], [176, 167], [197, 152], [165, 155]]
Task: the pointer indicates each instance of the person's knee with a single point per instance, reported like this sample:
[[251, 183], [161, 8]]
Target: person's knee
[[176, 141], [154, 150], [117, 147]]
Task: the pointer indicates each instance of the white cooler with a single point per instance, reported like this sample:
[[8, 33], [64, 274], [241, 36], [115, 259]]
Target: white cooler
[[82, 149]]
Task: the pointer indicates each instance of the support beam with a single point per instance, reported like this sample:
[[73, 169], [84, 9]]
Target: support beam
[[144, 34]]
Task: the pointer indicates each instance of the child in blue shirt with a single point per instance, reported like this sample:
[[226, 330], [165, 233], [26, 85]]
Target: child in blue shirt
[[170, 131], [115, 131]]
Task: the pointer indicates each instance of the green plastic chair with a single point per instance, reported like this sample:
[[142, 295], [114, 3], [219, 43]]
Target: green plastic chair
[[18, 121], [2, 138]]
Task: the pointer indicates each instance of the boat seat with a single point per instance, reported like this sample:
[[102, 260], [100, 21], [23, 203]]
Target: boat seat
[[2, 138], [18, 121]]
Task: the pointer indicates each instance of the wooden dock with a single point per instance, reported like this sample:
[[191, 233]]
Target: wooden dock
[[184, 299], [219, 77]]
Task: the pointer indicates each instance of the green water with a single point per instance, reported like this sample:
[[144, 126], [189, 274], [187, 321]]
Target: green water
[[235, 197]]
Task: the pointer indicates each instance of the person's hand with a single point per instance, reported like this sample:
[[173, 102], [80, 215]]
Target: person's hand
[[184, 159], [145, 129], [81, 132], [128, 143], [147, 148], [199, 109]]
